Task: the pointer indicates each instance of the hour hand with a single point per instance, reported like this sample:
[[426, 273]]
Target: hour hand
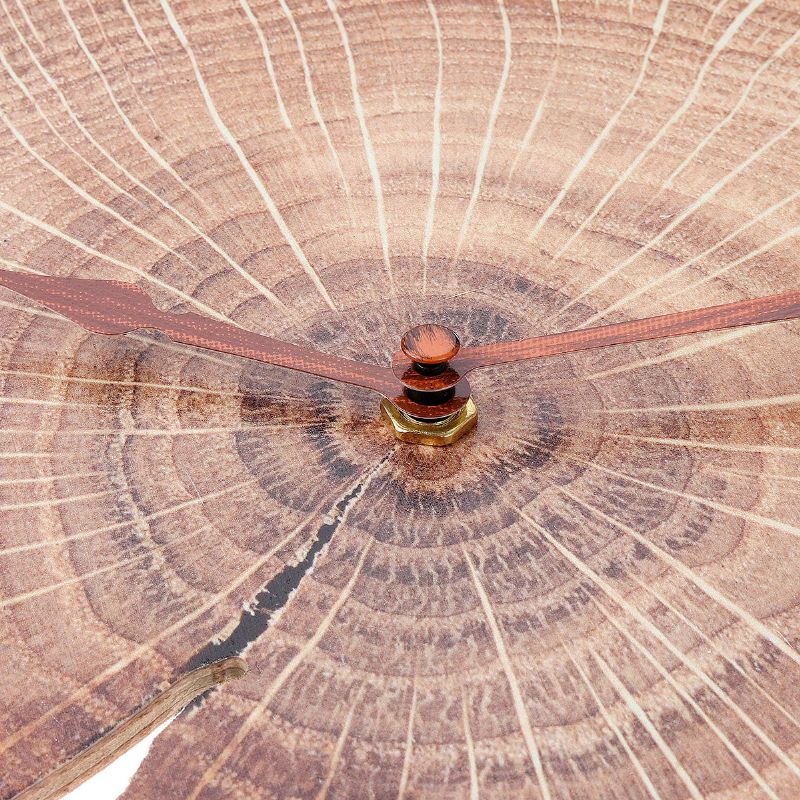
[[114, 307]]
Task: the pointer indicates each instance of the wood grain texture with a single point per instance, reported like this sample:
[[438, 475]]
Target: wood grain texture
[[593, 595]]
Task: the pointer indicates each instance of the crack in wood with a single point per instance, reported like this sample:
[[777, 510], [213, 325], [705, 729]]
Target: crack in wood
[[273, 597]]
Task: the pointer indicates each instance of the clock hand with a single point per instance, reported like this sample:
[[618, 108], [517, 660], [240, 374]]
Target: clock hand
[[772, 308], [113, 307], [437, 361], [426, 380]]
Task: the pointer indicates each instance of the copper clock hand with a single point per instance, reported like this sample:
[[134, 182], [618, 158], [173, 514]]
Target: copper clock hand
[[113, 307], [772, 308], [433, 359]]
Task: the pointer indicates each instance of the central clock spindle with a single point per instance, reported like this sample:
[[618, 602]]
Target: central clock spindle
[[430, 348]]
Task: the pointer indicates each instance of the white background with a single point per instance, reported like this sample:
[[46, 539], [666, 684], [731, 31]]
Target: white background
[[111, 782]]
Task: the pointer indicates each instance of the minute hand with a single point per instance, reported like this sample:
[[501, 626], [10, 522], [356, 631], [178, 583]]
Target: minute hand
[[112, 307], [773, 308]]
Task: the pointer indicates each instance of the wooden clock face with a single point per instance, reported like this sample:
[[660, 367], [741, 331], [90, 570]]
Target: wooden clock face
[[592, 595]]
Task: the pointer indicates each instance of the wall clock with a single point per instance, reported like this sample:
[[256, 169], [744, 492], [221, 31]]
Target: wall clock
[[593, 592]]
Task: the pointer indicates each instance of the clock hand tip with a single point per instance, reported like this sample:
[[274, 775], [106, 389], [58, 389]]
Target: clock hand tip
[[101, 306]]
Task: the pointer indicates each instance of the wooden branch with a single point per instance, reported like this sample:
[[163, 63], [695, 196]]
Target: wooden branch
[[137, 727]]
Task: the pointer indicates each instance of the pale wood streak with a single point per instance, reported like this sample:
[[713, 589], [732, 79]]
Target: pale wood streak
[[693, 626], [53, 231], [653, 283], [703, 143], [483, 157], [676, 115], [312, 96], [791, 233], [749, 516], [680, 218], [575, 173], [749, 619], [245, 162], [436, 144], [112, 184], [337, 753], [686, 696], [722, 405], [201, 608], [111, 159], [33, 594], [474, 786], [616, 730], [513, 684], [369, 150], [136, 521], [267, 61], [134, 131], [409, 748], [137, 26], [647, 723], [659, 635]]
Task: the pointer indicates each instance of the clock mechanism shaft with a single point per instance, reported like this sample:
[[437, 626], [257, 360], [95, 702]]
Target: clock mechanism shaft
[[430, 382]]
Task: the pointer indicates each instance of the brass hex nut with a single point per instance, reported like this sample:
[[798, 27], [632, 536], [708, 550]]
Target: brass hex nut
[[439, 433]]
